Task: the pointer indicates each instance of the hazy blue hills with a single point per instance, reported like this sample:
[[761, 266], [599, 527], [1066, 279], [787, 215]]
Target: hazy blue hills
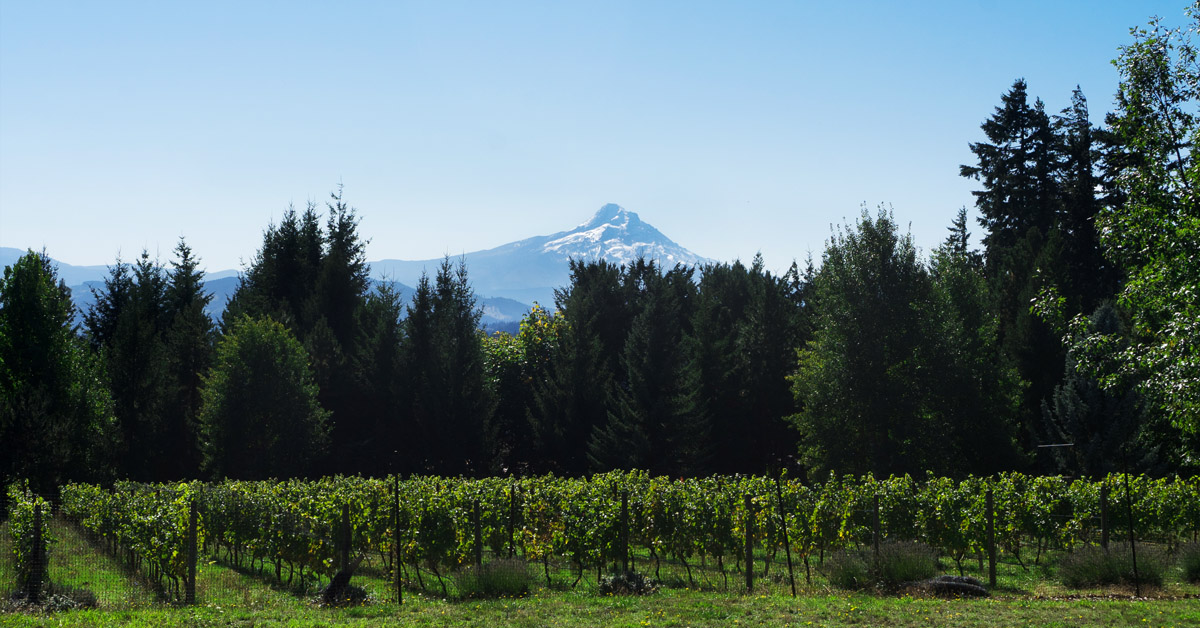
[[507, 278]]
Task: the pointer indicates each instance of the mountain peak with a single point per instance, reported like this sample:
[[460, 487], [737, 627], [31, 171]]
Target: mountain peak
[[610, 214], [531, 269]]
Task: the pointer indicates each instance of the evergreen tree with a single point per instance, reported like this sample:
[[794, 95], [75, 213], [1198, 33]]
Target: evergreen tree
[[190, 339], [282, 277], [575, 396], [260, 417], [719, 320], [446, 364], [975, 392], [56, 421], [747, 324], [1034, 205], [1090, 278], [418, 352], [379, 366], [128, 324], [1017, 166], [656, 421], [1103, 426], [315, 281], [861, 381]]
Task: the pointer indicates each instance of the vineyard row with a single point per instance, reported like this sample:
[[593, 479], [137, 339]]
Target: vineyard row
[[440, 524]]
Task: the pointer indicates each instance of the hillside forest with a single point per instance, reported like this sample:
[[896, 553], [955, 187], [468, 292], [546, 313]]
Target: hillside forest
[[1076, 322]]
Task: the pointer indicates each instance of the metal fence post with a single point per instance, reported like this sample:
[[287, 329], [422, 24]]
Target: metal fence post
[[749, 542], [189, 595], [37, 568], [991, 538], [478, 534]]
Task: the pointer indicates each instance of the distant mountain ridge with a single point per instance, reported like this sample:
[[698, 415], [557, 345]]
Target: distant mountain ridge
[[506, 279]]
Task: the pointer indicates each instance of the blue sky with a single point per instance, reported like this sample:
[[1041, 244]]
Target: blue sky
[[733, 127]]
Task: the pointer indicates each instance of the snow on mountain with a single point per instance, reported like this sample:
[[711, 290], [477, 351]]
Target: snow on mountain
[[618, 235], [529, 270]]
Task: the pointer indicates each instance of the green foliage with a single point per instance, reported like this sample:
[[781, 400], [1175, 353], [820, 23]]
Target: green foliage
[[127, 325], [313, 279], [747, 323], [977, 392], [655, 418], [1108, 427], [1152, 233], [1038, 203], [56, 419], [260, 417], [190, 340], [380, 375], [514, 364], [893, 379], [573, 399], [1017, 169], [444, 353], [150, 521], [293, 525], [29, 559]]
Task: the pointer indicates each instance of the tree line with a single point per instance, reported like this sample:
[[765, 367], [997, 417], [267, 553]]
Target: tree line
[[1075, 324]]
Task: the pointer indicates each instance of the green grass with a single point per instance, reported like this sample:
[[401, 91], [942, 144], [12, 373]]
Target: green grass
[[668, 608], [75, 564], [1027, 597]]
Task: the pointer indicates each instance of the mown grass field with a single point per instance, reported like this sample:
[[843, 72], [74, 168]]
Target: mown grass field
[[240, 597]]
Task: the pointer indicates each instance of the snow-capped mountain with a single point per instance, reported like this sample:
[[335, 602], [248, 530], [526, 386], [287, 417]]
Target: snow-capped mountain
[[529, 270], [619, 236]]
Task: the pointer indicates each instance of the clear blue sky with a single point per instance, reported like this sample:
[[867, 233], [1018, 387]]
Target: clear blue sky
[[733, 127]]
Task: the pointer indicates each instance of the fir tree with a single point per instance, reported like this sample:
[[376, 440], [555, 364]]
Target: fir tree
[[190, 339], [56, 421]]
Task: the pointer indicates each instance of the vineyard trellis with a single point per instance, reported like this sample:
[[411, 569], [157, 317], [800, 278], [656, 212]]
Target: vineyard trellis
[[422, 528]]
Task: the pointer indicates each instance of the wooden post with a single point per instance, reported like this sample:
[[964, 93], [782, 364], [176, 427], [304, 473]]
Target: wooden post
[[749, 506], [478, 535], [991, 538], [787, 543], [1104, 514], [189, 595], [396, 539]]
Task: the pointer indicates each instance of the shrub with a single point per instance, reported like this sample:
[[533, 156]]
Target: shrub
[[847, 570], [902, 562], [897, 564], [1095, 566], [506, 577], [1189, 561]]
